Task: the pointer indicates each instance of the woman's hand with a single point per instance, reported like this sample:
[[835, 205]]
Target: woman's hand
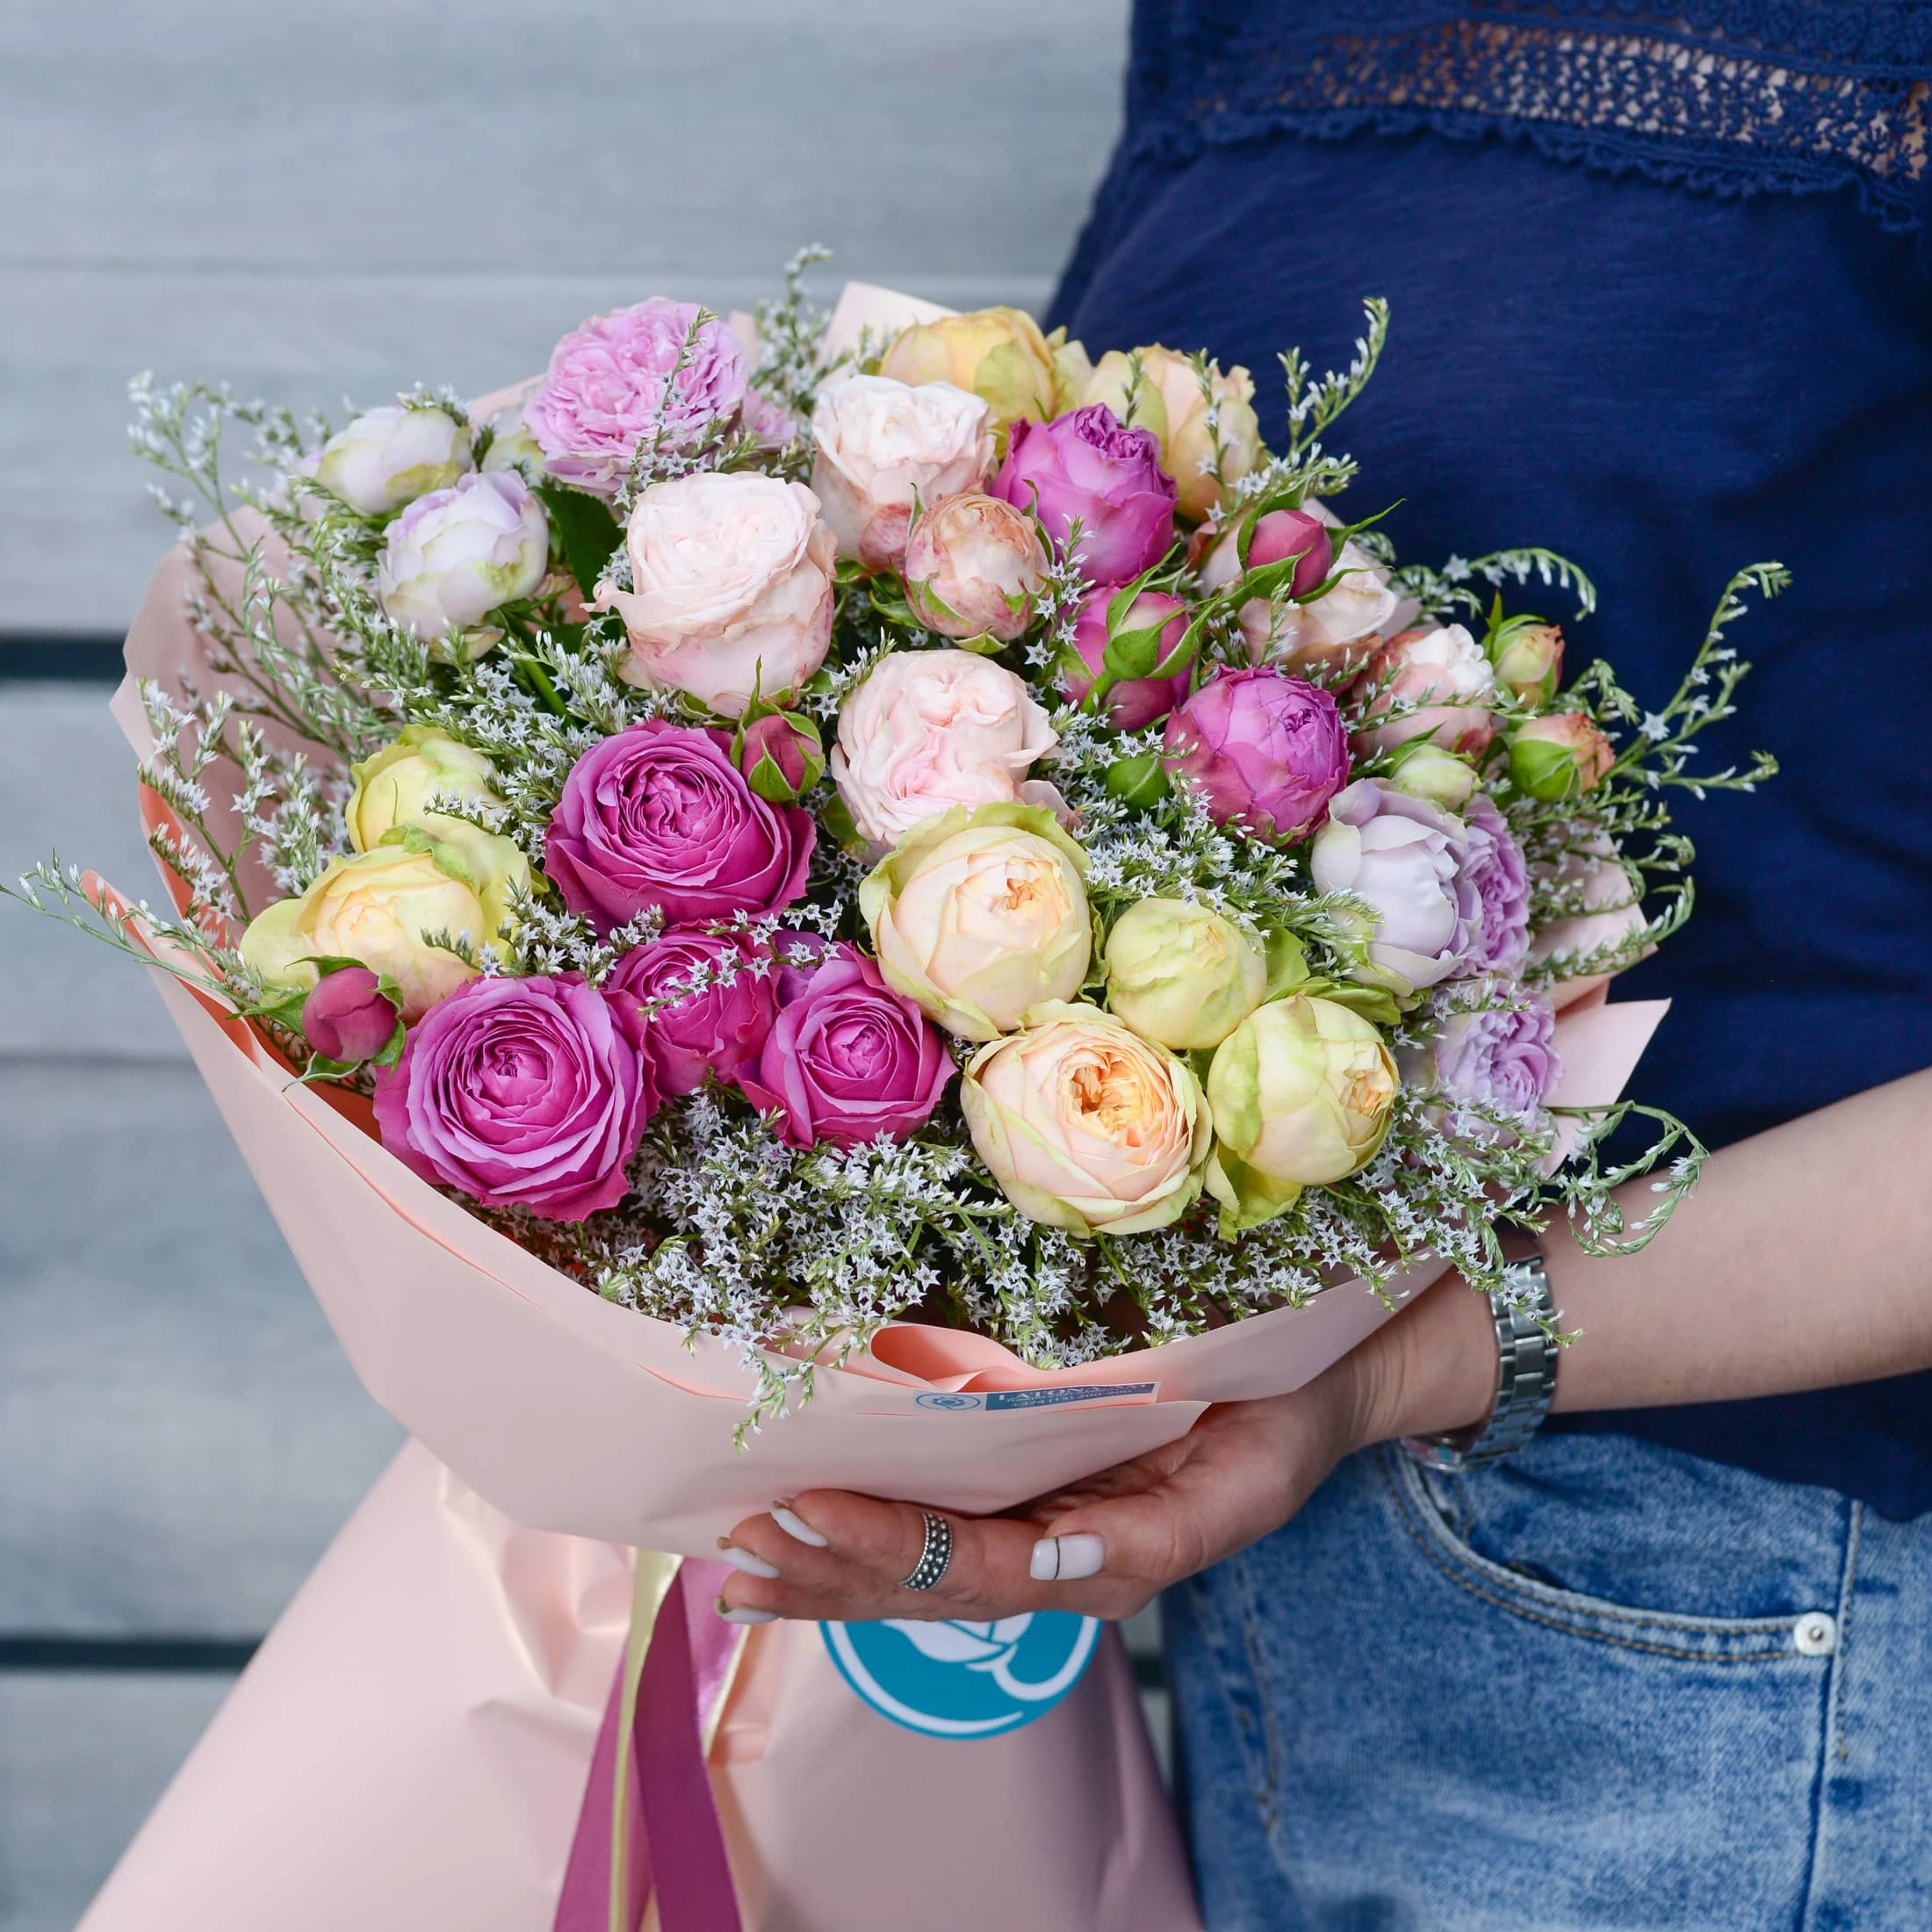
[[1103, 1549]]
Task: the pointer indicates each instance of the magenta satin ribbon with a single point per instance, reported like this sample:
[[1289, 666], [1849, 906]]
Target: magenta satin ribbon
[[677, 1844]]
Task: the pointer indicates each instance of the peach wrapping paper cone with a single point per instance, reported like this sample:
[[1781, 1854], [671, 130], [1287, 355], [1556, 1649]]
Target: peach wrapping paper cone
[[408, 1751]]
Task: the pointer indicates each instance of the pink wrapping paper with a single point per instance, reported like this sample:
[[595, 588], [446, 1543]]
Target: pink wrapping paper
[[572, 1415], [408, 1751]]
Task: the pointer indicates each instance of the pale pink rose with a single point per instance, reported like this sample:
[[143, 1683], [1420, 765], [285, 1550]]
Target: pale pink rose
[[929, 730], [1447, 675], [973, 567], [1614, 916], [732, 577], [1085, 1126], [884, 449]]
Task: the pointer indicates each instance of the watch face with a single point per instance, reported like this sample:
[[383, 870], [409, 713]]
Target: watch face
[[964, 1680]]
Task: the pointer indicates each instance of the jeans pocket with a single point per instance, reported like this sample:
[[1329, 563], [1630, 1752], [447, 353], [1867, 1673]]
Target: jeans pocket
[[1659, 1570]]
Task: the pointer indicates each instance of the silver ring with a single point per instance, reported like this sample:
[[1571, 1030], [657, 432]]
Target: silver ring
[[937, 1554]]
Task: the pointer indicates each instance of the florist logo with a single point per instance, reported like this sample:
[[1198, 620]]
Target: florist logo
[[958, 1679]]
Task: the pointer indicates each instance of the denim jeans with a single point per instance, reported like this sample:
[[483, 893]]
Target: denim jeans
[[1604, 1684]]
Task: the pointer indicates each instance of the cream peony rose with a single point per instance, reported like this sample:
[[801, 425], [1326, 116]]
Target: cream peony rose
[[1085, 1126], [928, 730], [394, 788], [391, 455], [1162, 391], [381, 907], [1300, 1091], [732, 589], [980, 916], [1441, 686], [453, 556], [998, 353], [882, 448]]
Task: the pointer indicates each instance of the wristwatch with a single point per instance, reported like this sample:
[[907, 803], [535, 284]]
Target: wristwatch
[[1525, 1368]]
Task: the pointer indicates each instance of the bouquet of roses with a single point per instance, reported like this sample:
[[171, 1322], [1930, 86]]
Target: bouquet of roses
[[807, 829]]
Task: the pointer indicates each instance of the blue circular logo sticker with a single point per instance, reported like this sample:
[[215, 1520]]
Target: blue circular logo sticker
[[965, 1679]]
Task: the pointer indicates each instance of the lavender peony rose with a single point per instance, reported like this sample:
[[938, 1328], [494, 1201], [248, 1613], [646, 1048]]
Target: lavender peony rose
[[847, 1059], [1084, 465], [528, 1094], [1261, 748], [1408, 859], [616, 381], [707, 1001], [1496, 867], [658, 817], [1502, 1060]]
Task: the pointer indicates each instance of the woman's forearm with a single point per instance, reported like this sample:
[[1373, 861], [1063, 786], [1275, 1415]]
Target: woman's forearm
[[1803, 1260]]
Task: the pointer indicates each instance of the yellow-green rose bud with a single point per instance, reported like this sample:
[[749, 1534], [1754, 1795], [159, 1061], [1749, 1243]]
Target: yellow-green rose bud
[[981, 916], [1300, 1091], [1182, 975], [997, 353], [1528, 657], [396, 786], [381, 907], [1423, 769], [1554, 758]]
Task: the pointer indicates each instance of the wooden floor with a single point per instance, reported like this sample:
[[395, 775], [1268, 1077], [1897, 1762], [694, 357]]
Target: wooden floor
[[310, 201]]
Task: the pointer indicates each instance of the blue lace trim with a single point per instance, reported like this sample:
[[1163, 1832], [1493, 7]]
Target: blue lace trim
[[1790, 96]]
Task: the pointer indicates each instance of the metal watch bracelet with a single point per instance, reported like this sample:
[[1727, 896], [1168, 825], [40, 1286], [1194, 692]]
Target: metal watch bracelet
[[1526, 1369]]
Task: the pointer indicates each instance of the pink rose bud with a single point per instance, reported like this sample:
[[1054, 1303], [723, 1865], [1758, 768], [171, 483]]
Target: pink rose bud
[[1528, 657], [1259, 748], [1433, 684], [1132, 703], [780, 756], [1277, 536], [1552, 758], [973, 566], [349, 1019]]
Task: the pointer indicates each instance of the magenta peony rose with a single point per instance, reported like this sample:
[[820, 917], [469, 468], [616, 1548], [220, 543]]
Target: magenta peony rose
[[1134, 703], [1086, 465], [847, 1059], [616, 381], [349, 1019], [528, 1094], [1261, 748], [1497, 868], [718, 1028], [658, 816]]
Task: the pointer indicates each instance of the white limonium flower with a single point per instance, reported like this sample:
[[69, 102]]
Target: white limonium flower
[[391, 455], [454, 556]]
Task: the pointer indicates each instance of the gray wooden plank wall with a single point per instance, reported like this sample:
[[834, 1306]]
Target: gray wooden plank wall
[[315, 202]]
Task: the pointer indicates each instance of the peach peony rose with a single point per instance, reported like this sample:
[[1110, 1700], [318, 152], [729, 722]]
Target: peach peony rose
[[1441, 684], [929, 730], [884, 448], [1169, 398], [973, 567], [1086, 1126], [980, 916], [732, 577]]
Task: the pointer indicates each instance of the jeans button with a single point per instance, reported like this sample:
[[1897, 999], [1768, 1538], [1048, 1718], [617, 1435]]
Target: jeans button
[[1815, 1634]]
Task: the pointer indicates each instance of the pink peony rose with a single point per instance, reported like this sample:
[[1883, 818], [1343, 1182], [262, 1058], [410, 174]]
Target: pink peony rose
[[659, 819], [973, 566], [1440, 684], [1133, 704], [529, 1094], [929, 730], [882, 448], [707, 999], [615, 383], [1259, 748], [847, 1060], [732, 589], [1084, 466]]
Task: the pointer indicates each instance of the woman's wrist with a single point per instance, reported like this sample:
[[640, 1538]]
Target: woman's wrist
[[1429, 1369]]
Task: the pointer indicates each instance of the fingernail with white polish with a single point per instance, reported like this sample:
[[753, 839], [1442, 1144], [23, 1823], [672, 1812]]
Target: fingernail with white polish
[[795, 1525], [743, 1559], [733, 1613], [1067, 1559]]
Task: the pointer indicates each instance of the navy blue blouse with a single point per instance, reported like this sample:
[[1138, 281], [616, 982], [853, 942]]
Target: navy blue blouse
[[1665, 334]]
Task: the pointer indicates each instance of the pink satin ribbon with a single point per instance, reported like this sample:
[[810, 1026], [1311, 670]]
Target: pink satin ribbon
[[678, 1845]]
